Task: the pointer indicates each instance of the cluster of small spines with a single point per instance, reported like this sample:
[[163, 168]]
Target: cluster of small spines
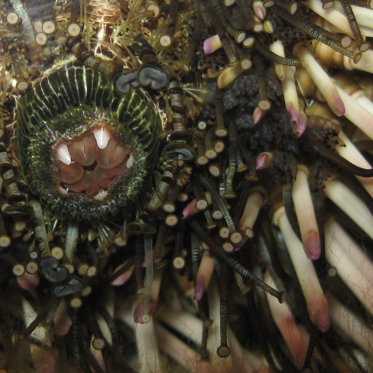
[[202, 269], [228, 231], [175, 170], [166, 26], [163, 26], [150, 19], [213, 143], [69, 270], [175, 174], [316, 32], [19, 70], [38, 29], [16, 200], [22, 27], [38, 26], [213, 196], [49, 314], [89, 59]]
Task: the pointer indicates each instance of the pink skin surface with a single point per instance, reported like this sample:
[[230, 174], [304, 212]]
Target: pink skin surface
[[261, 161], [258, 115], [122, 279], [139, 310], [62, 324], [190, 209], [336, 104], [312, 245], [28, 281], [243, 241], [299, 122], [99, 357], [294, 114], [318, 311], [242, 227], [260, 13], [207, 46], [293, 338], [200, 288], [301, 125]]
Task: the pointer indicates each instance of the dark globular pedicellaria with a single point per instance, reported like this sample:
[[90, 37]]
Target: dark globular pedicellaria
[[186, 186]]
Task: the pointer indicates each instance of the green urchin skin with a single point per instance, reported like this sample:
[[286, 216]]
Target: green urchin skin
[[64, 105]]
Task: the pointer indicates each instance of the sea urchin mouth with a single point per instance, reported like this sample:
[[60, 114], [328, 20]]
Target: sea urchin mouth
[[85, 149], [91, 162]]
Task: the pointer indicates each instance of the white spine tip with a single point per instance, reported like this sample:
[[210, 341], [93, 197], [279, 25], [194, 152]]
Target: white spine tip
[[73, 29], [12, 18], [41, 38], [49, 27], [145, 319], [165, 41]]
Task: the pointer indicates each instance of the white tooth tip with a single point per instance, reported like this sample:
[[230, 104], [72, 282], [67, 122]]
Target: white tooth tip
[[102, 137], [62, 190], [100, 195], [130, 161], [63, 154]]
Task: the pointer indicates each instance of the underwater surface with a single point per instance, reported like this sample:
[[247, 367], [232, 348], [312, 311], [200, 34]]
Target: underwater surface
[[186, 186]]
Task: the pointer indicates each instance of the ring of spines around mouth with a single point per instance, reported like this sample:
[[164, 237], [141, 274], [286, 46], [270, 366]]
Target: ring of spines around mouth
[[65, 105]]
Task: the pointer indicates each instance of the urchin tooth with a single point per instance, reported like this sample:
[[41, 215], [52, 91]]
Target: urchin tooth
[[130, 161], [100, 195], [62, 190], [102, 137], [63, 154]]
